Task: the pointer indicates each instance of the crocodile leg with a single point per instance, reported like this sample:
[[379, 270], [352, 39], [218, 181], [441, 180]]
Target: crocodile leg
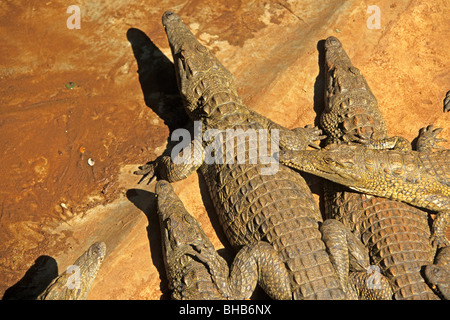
[[255, 263], [438, 274], [272, 272], [297, 138], [172, 166], [344, 248], [351, 260], [440, 224], [427, 141]]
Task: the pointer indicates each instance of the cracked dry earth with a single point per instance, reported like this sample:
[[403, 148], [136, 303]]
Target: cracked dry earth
[[54, 205]]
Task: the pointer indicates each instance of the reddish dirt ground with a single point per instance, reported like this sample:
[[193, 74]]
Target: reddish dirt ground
[[124, 102]]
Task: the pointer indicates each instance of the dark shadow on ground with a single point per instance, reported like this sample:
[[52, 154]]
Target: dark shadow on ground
[[317, 184], [158, 80], [146, 202], [35, 280], [319, 84]]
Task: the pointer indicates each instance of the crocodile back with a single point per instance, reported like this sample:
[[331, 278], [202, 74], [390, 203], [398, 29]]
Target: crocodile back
[[396, 235], [278, 208]]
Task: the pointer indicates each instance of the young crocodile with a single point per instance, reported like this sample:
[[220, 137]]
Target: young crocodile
[[278, 208], [196, 271], [75, 284], [395, 233]]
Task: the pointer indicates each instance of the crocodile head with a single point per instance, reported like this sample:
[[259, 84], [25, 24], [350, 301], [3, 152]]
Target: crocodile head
[[341, 75], [195, 65], [84, 271], [338, 163], [348, 98], [180, 231]]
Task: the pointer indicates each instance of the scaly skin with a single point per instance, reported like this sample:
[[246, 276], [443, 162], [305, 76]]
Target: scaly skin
[[66, 286], [351, 111], [277, 208], [360, 279], [395, 233], [438, 274], [418, 178], [197, 272]]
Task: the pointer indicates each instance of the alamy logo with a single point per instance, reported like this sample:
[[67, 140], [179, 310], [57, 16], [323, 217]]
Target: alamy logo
[[226, 147], [374, 20], [74, 20], [74, 280], [374, 279]]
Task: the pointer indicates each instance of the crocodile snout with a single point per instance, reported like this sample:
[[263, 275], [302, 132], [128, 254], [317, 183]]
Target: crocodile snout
[[332, 42], [162, 186], [170, 16]]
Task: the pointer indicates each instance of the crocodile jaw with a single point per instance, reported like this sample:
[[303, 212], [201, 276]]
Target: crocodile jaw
[[318, 162]]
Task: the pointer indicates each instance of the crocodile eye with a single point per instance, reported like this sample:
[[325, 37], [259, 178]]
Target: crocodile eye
[[200, 48], [188, 218], [328, 160]]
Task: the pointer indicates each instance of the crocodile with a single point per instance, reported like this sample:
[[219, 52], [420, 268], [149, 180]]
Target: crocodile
[[197, 272], [421, 179], [75, 283], [438, 274], [277, 208], [395, 233]]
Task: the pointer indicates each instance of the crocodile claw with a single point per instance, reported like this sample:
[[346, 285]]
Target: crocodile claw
[[147, 171], [313, 134], [439, 241], [314, 145], [428, 138]]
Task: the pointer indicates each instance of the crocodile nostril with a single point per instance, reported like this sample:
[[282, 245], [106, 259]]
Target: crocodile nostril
[[169, 16], [332, 42]]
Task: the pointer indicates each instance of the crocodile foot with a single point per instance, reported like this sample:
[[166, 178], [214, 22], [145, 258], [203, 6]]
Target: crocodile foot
[[440, 224], [313, 134], [301, 137], [147, 171], [428, 139]]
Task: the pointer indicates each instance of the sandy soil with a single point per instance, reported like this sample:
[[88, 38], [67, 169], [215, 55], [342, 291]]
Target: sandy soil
[[105, 94]]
